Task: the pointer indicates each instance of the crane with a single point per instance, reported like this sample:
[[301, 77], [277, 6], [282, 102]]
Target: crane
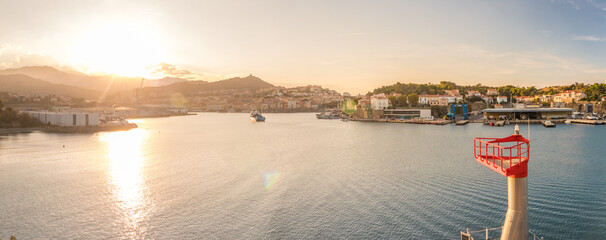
[[137, 92]]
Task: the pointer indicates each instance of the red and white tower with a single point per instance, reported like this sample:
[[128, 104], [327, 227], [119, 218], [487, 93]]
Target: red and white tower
[[509, 157]]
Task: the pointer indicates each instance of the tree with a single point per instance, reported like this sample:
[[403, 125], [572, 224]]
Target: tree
[[401, 101], [393, 100], [413, 99]]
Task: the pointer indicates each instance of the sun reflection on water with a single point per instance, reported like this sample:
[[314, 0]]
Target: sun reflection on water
[[126, 161]]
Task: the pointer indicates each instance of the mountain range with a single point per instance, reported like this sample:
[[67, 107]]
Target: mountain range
[[44, 80]]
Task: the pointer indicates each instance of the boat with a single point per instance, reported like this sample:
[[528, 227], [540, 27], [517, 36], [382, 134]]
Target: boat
[[255, 116], [548, 124], [329, 115], [497, 123], [462, 122], [568, 121], [344, 119]]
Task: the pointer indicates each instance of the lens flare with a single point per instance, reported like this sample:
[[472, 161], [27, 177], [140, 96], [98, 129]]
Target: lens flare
[[270, 179]]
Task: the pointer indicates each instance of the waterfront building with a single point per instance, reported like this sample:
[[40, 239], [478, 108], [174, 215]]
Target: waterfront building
[[379, 102], [525, 113], [408, 114], [66, 119], [437, 100], [558, 104], [364, 103], [291, 104]]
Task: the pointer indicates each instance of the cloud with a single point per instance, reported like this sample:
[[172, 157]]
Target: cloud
[[14, 56], [598, 5], [170, 70], [574, 4], [588, 38]]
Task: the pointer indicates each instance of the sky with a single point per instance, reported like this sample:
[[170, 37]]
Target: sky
[[352, 46]]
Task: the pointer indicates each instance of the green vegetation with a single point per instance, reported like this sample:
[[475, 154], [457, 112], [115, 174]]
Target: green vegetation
[[594, 91], [349, 107], [12, 118], [413, 99]]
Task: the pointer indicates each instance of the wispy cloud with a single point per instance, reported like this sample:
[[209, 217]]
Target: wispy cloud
[[14, 56], [574, 4], [598, 5], [170, 70], [546, 33], [588, 38], [578, 4]]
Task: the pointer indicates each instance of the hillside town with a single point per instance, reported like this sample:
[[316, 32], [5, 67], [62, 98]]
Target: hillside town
[[273, 99], [414, 107]]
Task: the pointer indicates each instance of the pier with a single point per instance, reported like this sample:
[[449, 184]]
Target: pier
[[590, 122]]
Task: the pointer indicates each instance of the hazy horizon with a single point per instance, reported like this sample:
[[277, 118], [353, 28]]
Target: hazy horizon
[[347, 46]]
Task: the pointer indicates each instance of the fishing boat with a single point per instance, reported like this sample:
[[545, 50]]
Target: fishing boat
[[330, 115], [548, 124], [255, 116]]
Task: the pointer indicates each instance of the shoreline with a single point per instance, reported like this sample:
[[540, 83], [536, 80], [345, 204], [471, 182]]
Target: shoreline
[[19, 130]]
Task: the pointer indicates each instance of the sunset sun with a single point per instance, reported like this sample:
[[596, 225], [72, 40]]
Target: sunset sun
[[121, 49]]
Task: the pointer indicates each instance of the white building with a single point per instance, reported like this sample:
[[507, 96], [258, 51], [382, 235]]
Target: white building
[[473, 93], [487, 99], [438, 100], [65, 119], [379, 102], [292, 104], [408, 114], [569, 96], [501, 99]]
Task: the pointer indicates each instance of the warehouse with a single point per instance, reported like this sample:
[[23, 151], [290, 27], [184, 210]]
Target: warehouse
[[526, 113], [66, 118]]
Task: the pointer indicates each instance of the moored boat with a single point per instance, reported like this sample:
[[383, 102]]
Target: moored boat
[[548, 124], [329, 115], [255, 116]]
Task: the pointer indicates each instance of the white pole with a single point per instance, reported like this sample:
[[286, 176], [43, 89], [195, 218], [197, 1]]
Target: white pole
[[487, 234], [528, 126]]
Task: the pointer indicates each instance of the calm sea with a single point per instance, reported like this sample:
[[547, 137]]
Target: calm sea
[[219, 176]]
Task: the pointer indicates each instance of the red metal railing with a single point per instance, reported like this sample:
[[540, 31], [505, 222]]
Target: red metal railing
[[507, 156]]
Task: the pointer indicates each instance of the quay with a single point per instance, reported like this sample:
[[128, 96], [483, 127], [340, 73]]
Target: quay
[[421, 122], [430, 122], [590, 122]]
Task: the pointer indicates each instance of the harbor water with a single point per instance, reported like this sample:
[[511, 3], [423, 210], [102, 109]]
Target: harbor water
[[219, 176]]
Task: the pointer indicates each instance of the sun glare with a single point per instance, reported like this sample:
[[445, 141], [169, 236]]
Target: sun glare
[[126, 161], [121, 49]]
